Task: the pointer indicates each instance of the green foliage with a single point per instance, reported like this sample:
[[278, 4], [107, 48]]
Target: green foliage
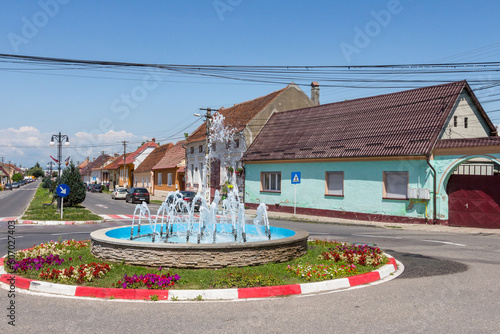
[[71, 176], [242, 279], [36, 171], [17, 177], [47, 183]]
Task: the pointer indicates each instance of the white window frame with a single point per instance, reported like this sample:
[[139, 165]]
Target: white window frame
[[159, 179], [395, 185], [334, 184], [270, 182]]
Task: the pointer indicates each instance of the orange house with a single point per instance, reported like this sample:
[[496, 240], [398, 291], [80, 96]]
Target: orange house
[[169, 171]]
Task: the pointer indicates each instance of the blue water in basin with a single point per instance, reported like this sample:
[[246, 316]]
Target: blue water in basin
[[253, 233]]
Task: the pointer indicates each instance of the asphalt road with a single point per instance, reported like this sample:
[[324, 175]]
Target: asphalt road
[[102, 204], [450, 285], [14, 202]]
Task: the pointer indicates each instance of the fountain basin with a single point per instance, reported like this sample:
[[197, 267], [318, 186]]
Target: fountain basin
[[196, 256]]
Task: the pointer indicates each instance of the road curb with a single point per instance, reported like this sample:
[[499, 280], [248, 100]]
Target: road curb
[[57, 222], [213, 294]]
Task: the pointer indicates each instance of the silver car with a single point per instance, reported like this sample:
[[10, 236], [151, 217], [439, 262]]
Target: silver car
[[119, 193]]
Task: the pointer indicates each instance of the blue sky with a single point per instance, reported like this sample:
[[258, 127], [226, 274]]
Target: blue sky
[[89, 106]]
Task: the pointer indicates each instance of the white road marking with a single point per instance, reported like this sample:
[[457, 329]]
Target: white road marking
[[17, 237], [446, 242], [69, 233], [102, 206], [376, 236]]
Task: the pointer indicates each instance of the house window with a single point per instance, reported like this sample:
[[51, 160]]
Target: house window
[[455, 121], [159, 179], [147, 182], [466, 122], [191, 174], [200, 148], [395, 185], [334, 183], [270, 181], [143, 182], [213, 147], [228, 145], [236, 143], [191, 149], [169, 179]]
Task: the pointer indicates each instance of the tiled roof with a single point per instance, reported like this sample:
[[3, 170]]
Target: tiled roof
[[130, 157], [238, 115], [398, 124], [173, 156], [97, 163], [153, 158], [103, 163], [114, 163], [83, 164], [468, 142]]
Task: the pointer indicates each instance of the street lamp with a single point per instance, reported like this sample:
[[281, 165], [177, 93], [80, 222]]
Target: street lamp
[[60, 139]]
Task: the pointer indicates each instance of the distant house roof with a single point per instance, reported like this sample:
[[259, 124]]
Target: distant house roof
[[399, 124], [238, 115], [83, 164], [173, 157], [97, 163], [130, 157], [153, 158], [114, 163]]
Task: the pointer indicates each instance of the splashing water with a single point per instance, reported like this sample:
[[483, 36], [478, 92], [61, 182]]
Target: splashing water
[[222, 220]]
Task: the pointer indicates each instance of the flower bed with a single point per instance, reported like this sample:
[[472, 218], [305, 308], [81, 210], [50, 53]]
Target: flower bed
[[70, 262]]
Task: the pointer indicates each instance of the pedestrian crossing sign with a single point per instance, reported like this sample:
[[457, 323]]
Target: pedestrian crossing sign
[[295, 177]]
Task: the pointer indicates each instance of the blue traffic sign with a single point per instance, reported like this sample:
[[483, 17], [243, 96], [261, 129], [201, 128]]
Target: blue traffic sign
[[295, 177], [62, 190]]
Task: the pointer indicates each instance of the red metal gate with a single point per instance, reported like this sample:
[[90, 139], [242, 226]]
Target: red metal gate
[[474, 201]]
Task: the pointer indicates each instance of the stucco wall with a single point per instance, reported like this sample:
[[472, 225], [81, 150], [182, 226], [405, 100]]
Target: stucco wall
[[363, 186], [476, 127]]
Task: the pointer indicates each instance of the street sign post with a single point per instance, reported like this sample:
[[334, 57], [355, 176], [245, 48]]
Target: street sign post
[[62, 191], [295, 180]]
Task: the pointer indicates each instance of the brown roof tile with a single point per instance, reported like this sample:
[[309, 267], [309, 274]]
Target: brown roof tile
[[130, 157], [97, 163], [397, 124], [153, 158], [172, 157], [238, 115], [114, 163], [468, 142]]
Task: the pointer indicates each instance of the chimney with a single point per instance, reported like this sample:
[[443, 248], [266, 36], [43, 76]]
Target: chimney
[[153, 140], [315, 93], [116, 155]]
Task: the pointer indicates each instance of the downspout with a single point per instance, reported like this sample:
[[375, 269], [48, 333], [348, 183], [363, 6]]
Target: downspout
[[434, 197]]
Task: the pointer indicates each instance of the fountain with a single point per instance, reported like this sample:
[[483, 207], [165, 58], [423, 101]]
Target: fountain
[[219, 236]]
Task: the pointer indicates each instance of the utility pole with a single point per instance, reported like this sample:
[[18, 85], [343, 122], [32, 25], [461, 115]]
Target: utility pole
[[208, 117], [1, 181], [124, 142], [102, 177], [9, 172]]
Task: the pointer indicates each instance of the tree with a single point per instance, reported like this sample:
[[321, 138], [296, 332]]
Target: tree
[[36, 171], [17, 177], [71, 176]]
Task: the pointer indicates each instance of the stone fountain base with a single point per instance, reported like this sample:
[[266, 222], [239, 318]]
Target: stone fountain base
[[197, 256]]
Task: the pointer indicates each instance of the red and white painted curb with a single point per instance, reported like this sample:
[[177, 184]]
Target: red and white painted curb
[[216, 294], [7, 219], [58, 222]]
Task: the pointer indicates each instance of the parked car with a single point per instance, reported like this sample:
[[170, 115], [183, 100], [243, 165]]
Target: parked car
[[89, 187], [96, 188], [187, 197], [119, 193], [137, 194], [15, 185], [7, 186]]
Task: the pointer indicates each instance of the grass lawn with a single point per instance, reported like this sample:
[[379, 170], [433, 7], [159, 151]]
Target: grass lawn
[[38, 211], [313, 266]]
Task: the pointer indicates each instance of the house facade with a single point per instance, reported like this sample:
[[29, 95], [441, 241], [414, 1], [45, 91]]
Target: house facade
[[169, 172], [246, 120], [113, 172], [391, 157], [132, 161], [143, 174]]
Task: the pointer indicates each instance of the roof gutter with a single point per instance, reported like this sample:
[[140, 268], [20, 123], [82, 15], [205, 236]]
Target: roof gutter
[[434, 197]]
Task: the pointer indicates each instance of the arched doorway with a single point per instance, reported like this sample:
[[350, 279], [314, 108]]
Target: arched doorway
[[474, 194]]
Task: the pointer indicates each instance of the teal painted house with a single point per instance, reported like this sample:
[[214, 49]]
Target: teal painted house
[[425, 155]]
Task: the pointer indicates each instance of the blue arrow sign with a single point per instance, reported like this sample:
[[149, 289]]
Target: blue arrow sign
[[62, 190], [295, 177]]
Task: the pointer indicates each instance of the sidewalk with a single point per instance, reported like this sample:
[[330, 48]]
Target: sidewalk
[[341, 221]]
